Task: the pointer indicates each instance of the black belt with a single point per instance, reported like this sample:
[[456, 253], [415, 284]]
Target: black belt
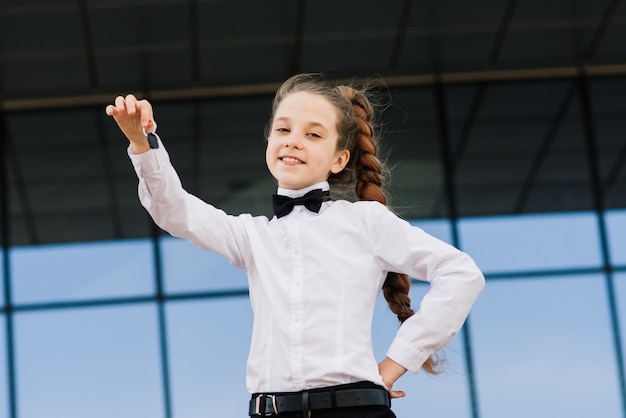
[[273, 404]]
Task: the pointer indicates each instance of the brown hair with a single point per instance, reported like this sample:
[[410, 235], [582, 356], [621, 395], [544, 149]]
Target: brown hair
[[355, 126]]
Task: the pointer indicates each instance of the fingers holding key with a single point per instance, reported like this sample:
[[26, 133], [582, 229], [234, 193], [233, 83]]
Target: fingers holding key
[[133, 116]]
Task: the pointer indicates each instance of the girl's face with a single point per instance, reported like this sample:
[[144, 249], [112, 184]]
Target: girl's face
[[302, 144]]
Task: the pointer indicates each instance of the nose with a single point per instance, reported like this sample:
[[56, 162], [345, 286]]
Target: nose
[[292, 141]]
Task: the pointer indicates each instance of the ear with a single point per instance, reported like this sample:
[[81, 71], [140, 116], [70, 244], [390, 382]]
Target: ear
[[341, 159]]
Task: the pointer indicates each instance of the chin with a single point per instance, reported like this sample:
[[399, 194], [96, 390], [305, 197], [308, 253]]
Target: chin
[[290, 185]]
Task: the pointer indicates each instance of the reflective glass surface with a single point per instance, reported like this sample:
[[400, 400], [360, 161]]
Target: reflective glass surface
[[426, 395], [95, 362], [542, 346], [4, 391], [208, 358], [609, 110], [438, 228], [517, 148], [187, 268], [414, 159], [616, 227], [70, 272], [208, 346], [619, 281], [532, 242], [541, 333]]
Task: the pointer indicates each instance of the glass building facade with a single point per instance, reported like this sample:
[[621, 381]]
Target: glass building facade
[[103, 315]]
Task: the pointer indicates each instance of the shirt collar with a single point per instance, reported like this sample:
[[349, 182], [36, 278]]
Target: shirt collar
[[324, 185]]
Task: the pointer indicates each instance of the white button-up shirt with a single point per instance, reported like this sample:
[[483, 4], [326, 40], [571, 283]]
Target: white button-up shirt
[[314, 280]]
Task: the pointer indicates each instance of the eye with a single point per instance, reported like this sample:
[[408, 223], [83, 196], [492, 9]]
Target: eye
[[281, 129], [314, 135]]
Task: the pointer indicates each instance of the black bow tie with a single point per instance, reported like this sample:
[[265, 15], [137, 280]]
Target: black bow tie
[[312, 201]]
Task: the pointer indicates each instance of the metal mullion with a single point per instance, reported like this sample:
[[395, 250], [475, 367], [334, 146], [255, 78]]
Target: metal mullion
[[458, 152], [598, 197], [109, 178], [269, 88], [503, 29], [6, 265], [194, 42], [541, 274], [131, 300], [90, 55], [196, 147], [160, 300], [12, 155], [450, 193], [398, 45], [613, 173], [530, 274], [296, 58], [469, 122], [544, 149], [601, 30]]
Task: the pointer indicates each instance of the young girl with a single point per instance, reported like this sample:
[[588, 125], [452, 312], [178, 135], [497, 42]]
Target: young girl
[[316, 268]]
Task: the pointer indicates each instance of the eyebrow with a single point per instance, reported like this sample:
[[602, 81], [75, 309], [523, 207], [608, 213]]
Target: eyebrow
[[312, 124]]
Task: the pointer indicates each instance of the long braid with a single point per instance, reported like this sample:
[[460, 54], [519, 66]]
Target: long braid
[[369, 180]]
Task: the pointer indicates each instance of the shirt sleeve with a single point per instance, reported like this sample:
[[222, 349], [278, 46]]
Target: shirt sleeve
[[455, 283], [182, 214]]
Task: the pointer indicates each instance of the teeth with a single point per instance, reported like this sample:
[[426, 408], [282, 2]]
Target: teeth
[[291, 160]]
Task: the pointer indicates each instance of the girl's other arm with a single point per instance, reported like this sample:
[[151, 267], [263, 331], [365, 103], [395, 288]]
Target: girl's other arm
[[390, 372]]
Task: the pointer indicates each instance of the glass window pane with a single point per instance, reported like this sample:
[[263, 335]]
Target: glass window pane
[[208, 346], [187, 268], [68, 272], [4, 395], [541, 346], [411, 135], [439, 228], [96, 362], [517, 148], [609, 110], [201, 347], [532, 242], [616, 227], [444, 395], [76, 185]]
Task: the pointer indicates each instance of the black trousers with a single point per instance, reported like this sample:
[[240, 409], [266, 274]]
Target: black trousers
[[374, 411]]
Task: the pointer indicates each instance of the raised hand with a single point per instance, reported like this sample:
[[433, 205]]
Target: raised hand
[[135, 118]]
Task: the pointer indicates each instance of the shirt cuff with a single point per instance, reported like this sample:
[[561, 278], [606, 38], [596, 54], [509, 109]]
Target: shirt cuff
[[150, 161], [406, 355]]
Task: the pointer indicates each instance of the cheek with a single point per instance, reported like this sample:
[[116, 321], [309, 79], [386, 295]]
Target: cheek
[[271, 152], [267, 154]]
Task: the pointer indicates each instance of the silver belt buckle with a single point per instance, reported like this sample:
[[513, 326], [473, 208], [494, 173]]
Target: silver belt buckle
[[257, 407]]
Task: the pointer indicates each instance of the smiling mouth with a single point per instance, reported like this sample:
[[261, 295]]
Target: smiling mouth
[[291, 160]]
